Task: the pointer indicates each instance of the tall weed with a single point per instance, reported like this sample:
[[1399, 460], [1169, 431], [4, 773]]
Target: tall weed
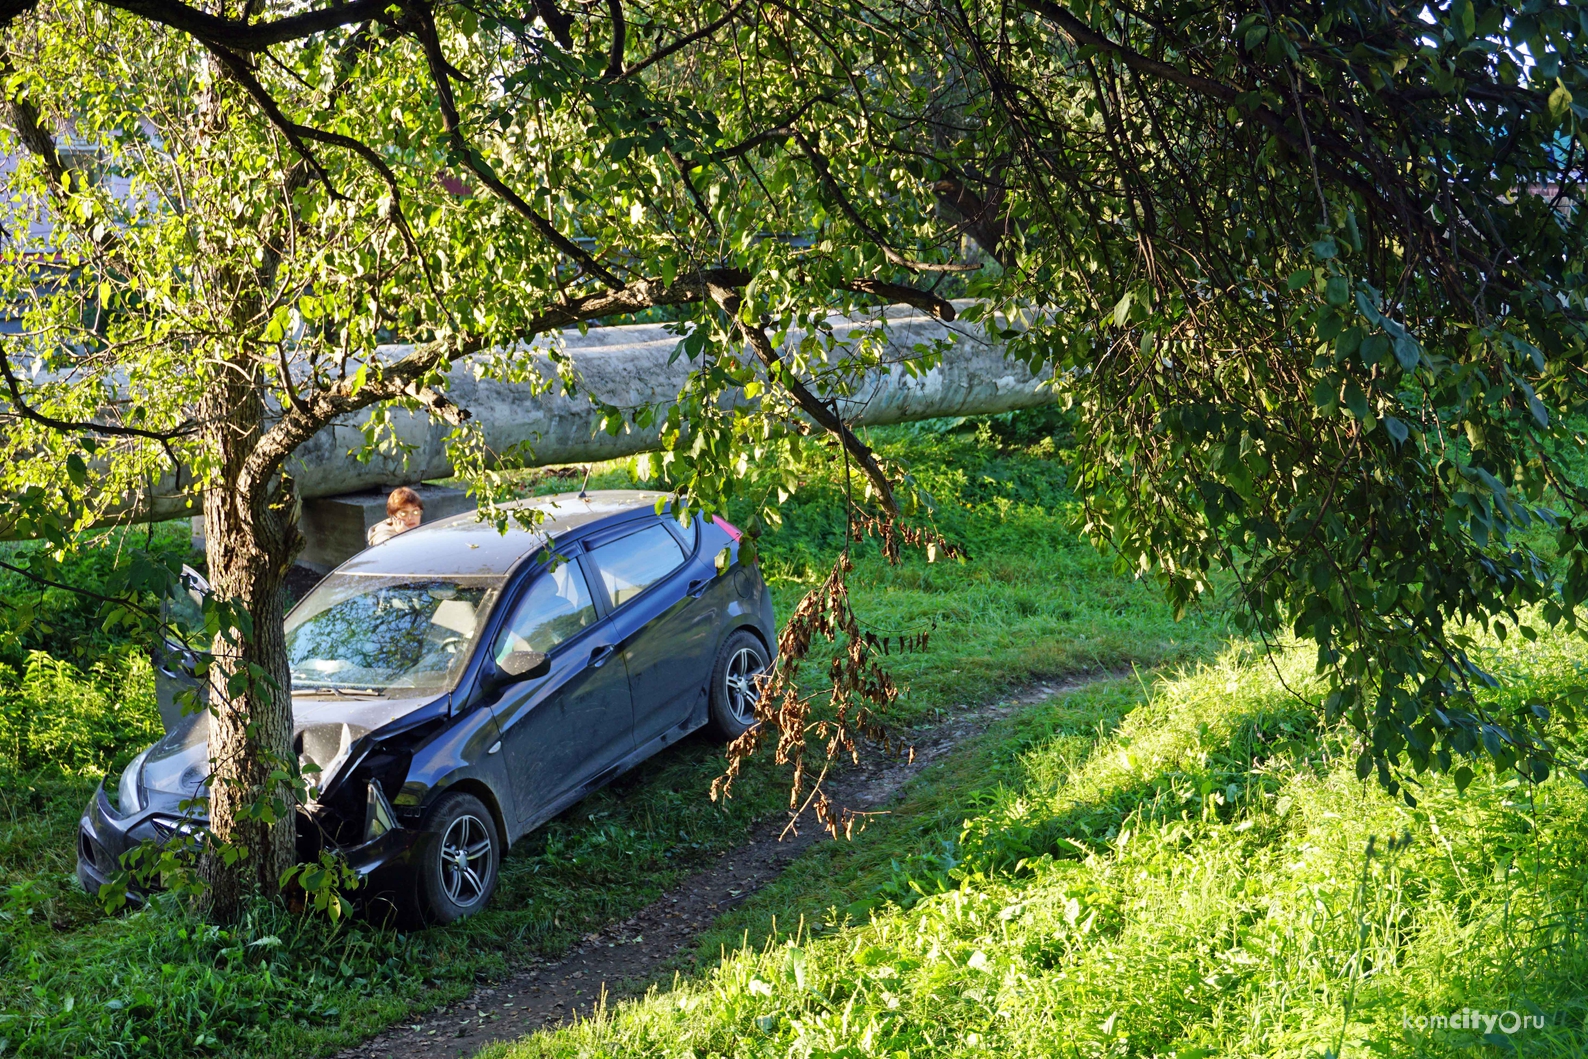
[[1201, 880], [55, 717]]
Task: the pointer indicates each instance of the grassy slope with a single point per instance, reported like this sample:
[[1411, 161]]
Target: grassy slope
[[1181, 873], [1032, 601]]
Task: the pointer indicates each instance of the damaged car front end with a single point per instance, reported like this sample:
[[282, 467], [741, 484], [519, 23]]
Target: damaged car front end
[[455, 687], [375, 659]]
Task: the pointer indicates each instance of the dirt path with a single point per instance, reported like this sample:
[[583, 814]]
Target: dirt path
[[622, 959]]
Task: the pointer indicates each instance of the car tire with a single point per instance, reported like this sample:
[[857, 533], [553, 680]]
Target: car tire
[[461, 860], [732, 694]]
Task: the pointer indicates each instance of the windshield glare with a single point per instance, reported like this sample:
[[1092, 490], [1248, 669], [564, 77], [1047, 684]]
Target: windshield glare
[[390, 634]]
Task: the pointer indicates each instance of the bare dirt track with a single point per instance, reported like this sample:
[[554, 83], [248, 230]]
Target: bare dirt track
[[624, 958]]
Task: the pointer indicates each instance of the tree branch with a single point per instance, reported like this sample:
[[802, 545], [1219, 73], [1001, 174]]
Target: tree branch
[[620, 31], [561, 25], [730, 302], [824, 173], [683, 42], [25, 120], [899, 292], [242, 36], [399, 378], [1081, 33], [69, 426], [782, 129], [977, 215], [11, 9], [424, 27]]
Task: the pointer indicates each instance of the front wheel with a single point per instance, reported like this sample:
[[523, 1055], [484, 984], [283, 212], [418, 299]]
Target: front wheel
[[458, 871], [734, 684]]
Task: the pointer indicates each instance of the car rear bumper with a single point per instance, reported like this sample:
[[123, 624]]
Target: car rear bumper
[[104, 837]]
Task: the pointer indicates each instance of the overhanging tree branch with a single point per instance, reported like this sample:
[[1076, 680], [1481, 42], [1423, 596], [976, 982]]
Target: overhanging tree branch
[[620, 29], [825, 174], [900, 292], [19, 402], [732, 304], [685, 41], [422, 23], [243, 36]]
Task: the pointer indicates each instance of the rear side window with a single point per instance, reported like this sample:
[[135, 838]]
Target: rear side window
[[557, 607], [630, 565]]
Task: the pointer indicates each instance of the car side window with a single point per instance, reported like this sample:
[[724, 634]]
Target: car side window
[[630, 565], [556, 608]]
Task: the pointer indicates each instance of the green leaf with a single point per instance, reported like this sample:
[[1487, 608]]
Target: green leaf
[[1122, 310], [76, 469], [1374, 349], [1559, 102], [1347, 342], [1536, 406], [1356, 400], [1337, 291], [1408, 352], [1396, 430], [1324, 393]]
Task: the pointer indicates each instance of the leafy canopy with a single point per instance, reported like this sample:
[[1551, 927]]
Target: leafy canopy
[[1312, 272]]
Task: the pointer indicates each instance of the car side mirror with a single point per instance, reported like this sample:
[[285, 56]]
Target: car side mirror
[[520, 665]]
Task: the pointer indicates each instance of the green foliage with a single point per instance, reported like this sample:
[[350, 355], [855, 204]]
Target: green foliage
[[62, 620], [1190, 869], [1304, 336], [1033, 601], [53, 716]]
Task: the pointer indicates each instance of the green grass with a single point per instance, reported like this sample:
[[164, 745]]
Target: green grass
[[1032, 601], [1181, 871]]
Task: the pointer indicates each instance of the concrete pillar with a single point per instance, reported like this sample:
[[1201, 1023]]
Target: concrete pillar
[[337, 527]]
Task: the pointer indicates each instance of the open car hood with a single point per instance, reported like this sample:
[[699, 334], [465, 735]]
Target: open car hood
[[326, 731]]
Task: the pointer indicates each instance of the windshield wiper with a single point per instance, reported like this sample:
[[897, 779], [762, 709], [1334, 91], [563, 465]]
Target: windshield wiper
[[360, 693]]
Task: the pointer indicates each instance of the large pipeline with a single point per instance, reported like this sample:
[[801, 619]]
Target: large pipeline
[[629, 367]]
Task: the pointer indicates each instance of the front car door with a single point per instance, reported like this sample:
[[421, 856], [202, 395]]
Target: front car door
[[562, 730], [662, 627]]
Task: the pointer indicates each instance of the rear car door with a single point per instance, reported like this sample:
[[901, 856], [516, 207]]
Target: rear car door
[[562, 730], [663, 629]]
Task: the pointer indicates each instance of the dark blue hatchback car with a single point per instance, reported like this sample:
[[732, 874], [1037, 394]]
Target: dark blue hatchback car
[[457, 687]]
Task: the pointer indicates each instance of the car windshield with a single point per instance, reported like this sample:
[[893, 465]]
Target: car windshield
[[386, 634]]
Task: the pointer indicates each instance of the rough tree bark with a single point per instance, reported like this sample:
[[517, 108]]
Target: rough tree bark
[[253, 538]]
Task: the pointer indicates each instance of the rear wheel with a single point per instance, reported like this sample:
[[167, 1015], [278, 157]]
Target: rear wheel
[[458, 870], [734, 687]]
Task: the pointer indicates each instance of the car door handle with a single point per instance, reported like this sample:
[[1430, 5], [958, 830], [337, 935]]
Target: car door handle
[[599, 655], [697, 587]]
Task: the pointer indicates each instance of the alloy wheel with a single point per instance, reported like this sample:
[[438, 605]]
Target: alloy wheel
[[743, 669], [465, 860]]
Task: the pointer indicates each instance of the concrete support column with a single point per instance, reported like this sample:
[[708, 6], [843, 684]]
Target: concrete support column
[[336, 527]]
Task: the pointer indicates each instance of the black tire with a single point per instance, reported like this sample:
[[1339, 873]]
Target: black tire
[[458, 869], [733, 693]]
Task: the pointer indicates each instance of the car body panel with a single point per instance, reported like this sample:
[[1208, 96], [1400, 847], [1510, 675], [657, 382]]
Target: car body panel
[[561, 729], [666, 635], [531, 748]]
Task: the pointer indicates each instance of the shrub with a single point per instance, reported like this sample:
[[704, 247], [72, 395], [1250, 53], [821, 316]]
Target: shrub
[[55, 716]]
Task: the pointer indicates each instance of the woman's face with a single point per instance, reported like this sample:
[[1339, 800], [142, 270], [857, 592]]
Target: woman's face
[[409, 517]]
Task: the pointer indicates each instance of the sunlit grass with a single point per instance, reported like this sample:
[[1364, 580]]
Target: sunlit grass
[[1197, 876], [1032, 601]]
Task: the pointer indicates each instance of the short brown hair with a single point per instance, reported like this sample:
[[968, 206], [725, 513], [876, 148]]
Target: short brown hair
[[401, 499]]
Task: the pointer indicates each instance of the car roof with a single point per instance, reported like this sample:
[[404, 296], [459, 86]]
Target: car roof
[[466, 547]]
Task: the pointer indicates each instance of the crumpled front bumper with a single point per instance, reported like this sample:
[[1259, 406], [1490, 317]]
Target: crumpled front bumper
[[104, 837]]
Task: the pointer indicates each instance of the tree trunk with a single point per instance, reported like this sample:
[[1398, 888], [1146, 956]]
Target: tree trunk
[[252, 538]]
